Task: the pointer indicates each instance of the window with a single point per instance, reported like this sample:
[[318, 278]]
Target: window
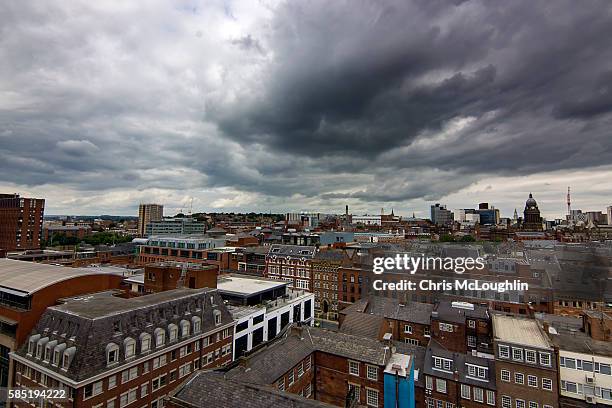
[[446, 327], [371, 397], [144, 390], [184, 328], [506, 401], [217, 315], [145, 342], [427, 331], [545, 359], [129, 345], [504, 351], [441, 385], [112, 353], [110, 403], [407, 329], [532, 381], [533, 404], [414, 342], [372, 372], [353, 368], [465, 391], [357, 390], [290, 378], [300, 370], [478, 394], [477, 371], [490, 397], [517, 354], [547, 384], [443, 363], [112, 382], [471, 341], [160, 337], [505, 375], [281, 384], [307, 364], [128, 397], [91, 390], [530, 357], [429, 383], [129, 375], [172, 332], [520, 403], [197, 324], [519, 378]]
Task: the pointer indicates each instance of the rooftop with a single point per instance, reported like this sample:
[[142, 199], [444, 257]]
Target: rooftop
[[214, 389], [519, 331], [30, 277], [247, 286], [103, 304]]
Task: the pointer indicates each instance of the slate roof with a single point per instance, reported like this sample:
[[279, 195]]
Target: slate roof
[[390, 308], [447, 312], [268, 363], [214, 389], [89, 324], [360, 324], [459, 365], [294, 251]]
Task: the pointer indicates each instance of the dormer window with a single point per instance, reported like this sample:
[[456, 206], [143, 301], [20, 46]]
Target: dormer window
[[160, 337], [129, 345], [68, 356], [184, 328], [57, 354], [32, 343], [197, 324], [173, 332], [40, 347], [112, 353], [49, 350], [145, 342], [217, 315]]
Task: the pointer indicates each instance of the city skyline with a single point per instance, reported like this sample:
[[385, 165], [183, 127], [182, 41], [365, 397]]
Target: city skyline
[[274, 106]]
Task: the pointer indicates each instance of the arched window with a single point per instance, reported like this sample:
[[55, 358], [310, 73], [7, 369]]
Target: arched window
[[40, 346], [160, 337], [173, 332], [197, 324], [32, 343], [145, 342], [184, 328], [69, 356], [57, 354], [49, 350], [217, 315], [112, 353], [129, 347]]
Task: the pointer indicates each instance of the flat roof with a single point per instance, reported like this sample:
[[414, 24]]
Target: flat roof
[[30, 277], [246, 286], [519, 331]]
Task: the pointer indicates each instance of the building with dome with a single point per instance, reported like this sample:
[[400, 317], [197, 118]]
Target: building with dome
[[532, 221]]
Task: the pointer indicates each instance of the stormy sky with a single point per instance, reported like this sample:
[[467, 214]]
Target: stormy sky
[[306, 105]]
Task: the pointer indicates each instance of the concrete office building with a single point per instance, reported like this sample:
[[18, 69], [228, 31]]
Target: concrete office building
[[175, 226]]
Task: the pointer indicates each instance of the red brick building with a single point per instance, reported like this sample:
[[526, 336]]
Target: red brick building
[[21, 221], [109, 351], [27, 289], [163, 276]]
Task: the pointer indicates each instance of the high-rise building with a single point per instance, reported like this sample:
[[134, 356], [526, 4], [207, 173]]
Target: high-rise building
[[148, 213], [440, 215], [609, 210], [21, 221]]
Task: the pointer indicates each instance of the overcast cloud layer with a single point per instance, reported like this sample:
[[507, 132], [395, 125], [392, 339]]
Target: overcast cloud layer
[[276, 106]]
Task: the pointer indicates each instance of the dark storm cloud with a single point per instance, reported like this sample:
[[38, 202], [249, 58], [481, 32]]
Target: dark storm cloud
[[370, 101], [373, 77]]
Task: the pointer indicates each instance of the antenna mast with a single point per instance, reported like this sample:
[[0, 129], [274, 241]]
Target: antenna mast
[[569, 202]]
